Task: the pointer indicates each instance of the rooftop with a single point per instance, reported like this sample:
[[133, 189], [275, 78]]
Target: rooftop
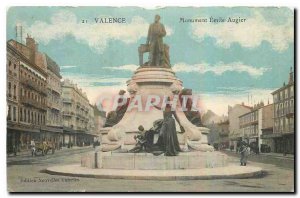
[[52, 65]]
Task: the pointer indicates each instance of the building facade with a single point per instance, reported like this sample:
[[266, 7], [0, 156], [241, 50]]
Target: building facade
[[224, 134], [26, 94], [99, 119], [253, 123], [283, 135], [53, 130], [234, 113], [76, 115]]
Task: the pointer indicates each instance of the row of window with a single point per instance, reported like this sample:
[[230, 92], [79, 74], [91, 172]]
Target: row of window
[[283, 125], [53, 118], [284, 94], [80, 100], [12, 90], [54, 98], [33, 95], [70, 107], [32, 77], [54, 81], [284, 108], [251, 117], [12, 113], [251, 130], [70, 123], [10, 65], [12, 70], [25, 115], [26, 74], [34, 117]]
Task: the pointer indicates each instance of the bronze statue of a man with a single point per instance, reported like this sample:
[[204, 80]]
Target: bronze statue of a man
[[156, 33]]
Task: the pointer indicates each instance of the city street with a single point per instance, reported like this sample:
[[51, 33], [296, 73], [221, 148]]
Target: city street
[[25, 174]]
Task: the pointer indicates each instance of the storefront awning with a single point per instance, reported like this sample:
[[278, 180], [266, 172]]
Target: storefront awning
[[272, 135], [288, 134], [23, 128], [51, 129], [68, 130]]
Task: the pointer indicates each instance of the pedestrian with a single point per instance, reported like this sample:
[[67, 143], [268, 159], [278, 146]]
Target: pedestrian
[[32, 145], [244, 150], [238, 146]]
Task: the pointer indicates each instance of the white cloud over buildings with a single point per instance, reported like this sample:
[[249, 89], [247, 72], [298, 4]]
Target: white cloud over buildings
[[96, 36], [248, 34], [218, 103], [203, 68], [220, 68], [123, 67]]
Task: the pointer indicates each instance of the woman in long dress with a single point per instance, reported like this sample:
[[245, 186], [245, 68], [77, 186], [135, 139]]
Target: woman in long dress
[[168, 140], [244, 151]]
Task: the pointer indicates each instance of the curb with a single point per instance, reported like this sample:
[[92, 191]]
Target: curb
[[256, 173]]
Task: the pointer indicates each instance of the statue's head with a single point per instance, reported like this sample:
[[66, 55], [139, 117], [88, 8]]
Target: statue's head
[[157, 18], [122, 92], [141, 128]]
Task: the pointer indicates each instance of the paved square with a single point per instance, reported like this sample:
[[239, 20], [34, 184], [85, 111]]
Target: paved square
[[25, 173]]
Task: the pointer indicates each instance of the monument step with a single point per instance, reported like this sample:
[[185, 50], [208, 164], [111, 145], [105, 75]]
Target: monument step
[[148, 161]]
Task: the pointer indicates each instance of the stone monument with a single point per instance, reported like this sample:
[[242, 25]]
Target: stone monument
[[154, 77], [112, 160]]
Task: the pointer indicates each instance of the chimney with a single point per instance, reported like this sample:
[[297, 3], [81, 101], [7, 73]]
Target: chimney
[[262, 103], [30, 43], [291, 78]]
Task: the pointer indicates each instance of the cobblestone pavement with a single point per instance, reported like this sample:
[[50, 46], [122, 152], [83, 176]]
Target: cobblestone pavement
[[25, 174]]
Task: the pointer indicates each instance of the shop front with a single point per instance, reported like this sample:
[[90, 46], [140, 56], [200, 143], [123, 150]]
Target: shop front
[[284, 143], [19, 137], [52, 134], [84, 139], [289, 142], [69, 137], [272, 140]]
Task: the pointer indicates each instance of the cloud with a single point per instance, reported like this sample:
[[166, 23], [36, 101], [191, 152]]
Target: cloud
[[88, 80], [202, 68], [96, 86], [220, 68], [95, 35], [248, 34], [68, 66], [131, 68], [218, 103]]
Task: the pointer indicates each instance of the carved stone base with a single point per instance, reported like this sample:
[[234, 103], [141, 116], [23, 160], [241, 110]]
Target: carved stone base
[[147, 161], [147, 81]]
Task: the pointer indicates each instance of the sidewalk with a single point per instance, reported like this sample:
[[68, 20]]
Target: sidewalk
[[290, 156], [25, 153], [276, 155]]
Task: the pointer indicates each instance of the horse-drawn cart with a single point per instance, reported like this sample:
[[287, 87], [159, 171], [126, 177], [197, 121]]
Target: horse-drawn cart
[[43, 148]]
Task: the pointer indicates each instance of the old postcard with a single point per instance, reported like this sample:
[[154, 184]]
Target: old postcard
[[129, 99]]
